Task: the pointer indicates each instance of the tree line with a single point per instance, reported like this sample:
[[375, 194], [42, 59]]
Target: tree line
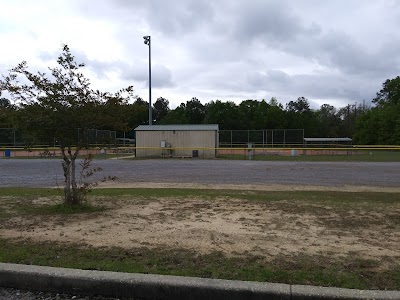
[[379, 124], [327, 121], [376, 125]]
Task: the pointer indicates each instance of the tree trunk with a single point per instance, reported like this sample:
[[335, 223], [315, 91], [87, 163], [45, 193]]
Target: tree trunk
[[71, 191], [67, 175], [75, 191]]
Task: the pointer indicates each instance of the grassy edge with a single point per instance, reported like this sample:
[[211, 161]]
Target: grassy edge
[[208, 193], [350, 272], [101, 199]]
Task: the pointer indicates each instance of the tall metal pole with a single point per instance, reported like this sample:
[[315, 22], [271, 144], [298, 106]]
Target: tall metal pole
[[150, 107], [147, 41]]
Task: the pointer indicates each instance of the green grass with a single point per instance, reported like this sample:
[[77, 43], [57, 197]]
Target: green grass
[[363, 156], [349, 272], [20, 201], [28, 209], [322, 197], [24, 196], [29, 192]]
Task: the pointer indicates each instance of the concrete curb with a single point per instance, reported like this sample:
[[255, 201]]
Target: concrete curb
[[143, 286]]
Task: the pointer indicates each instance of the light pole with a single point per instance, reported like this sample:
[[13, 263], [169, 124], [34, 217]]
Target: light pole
[[147, 40]]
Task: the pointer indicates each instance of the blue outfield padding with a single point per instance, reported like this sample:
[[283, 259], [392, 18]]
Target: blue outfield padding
[[7, 153]]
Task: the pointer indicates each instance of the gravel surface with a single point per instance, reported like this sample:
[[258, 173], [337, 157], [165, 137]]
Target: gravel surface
[[13, 294], [48, 172]]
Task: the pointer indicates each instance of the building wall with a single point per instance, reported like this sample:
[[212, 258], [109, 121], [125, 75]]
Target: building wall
[[181, 143]]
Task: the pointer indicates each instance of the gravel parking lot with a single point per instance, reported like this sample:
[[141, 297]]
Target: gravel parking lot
[[48, 172]]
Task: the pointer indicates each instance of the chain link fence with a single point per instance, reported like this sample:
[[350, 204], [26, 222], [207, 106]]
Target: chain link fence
[[15, 143], [261, 138], [91, 138]]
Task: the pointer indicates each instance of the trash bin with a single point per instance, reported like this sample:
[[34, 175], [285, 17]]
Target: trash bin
[[294, 152], [102, 153], [195, 153], [7, 153]]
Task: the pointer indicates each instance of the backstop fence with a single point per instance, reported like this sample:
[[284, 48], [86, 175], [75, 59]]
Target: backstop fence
[[247, 144], [261, 138], [92, 138]]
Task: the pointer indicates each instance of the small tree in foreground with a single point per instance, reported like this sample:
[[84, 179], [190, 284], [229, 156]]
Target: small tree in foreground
[[62, 106]]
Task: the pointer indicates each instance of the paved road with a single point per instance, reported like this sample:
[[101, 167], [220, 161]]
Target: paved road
[[47, 172]]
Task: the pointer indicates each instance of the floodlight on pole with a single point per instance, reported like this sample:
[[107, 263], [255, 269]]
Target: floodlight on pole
[[147, 41]]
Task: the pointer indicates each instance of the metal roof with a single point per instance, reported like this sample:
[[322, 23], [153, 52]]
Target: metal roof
[[184, 127], [328, 140]]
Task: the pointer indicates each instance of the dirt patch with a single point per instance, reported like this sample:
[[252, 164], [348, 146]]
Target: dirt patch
[[233, 226], [251, 187]]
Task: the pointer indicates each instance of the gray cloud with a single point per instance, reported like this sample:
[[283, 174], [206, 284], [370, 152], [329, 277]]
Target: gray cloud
[[338, 50], [283, 48], [272, 22], [178, 18], [314, 86], [161, 75]]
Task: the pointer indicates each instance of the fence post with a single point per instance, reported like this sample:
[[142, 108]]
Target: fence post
[[272, 137], [284, 137]]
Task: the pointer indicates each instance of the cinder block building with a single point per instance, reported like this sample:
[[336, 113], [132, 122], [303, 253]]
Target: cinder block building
[[177, 140]]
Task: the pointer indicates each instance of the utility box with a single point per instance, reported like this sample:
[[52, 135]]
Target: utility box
[[163, 144]]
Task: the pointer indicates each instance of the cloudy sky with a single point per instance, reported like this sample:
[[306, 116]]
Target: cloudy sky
[[335, 52]]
